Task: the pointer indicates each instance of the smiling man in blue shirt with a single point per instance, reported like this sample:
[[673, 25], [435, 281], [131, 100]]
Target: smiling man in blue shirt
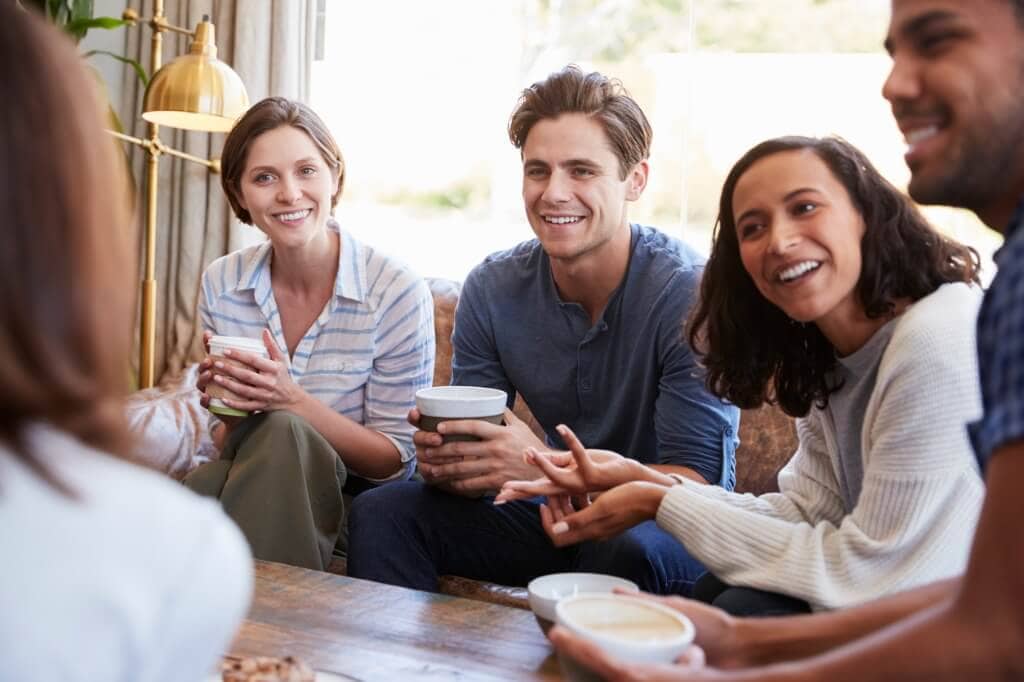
[[585, 322]]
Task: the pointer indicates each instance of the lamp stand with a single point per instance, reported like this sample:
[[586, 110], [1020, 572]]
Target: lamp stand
[[154, 149]]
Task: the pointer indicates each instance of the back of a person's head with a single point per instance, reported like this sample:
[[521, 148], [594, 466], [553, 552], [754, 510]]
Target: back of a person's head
[[66, 262], [572, 91]]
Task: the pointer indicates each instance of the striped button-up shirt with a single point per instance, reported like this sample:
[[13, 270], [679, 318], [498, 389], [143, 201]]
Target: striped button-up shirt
[[367, 353]]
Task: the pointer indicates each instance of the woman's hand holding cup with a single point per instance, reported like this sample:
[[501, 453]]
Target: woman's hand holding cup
[[259, 381]]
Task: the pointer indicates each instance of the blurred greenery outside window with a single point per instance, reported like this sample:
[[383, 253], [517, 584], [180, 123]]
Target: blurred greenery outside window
[[419, 96]]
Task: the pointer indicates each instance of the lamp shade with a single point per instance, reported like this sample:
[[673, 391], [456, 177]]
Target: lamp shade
[[196, 91]]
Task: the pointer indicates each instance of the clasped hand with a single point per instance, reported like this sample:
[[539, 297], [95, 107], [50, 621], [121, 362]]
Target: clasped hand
[[259, 384]]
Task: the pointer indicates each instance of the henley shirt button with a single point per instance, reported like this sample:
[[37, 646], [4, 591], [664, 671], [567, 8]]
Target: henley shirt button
[[585, 384]]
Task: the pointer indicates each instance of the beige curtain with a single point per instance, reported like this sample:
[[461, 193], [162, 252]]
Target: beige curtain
[[270, 45]]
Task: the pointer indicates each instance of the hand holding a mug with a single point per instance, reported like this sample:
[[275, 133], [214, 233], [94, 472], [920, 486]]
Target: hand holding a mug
[[689, 666], [474, 467], [206, 374], [227, 422], [428, 439], [205, 371], [611, 513], [718, 633], [260, 384], [578, 471]]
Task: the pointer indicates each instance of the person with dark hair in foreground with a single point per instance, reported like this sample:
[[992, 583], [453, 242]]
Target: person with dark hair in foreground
[[954, 87], [108, 571]]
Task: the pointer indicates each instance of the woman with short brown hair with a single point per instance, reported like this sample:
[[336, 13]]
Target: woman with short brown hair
[[350, 337]]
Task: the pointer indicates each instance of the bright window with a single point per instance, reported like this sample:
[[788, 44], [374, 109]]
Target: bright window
[[419, 96]]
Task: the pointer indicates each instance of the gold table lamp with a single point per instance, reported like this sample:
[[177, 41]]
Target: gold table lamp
[[193, 92]]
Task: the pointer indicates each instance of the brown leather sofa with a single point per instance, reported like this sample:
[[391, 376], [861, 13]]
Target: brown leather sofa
[[767, 440]]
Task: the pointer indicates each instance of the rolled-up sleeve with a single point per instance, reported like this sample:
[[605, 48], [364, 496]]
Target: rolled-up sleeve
[[404, 364], [694, 428]]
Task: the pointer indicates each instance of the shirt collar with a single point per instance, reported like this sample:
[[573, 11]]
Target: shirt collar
[[257, 263], [350, 282]]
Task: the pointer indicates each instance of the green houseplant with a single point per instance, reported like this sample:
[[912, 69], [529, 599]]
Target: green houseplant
[[76, 18]]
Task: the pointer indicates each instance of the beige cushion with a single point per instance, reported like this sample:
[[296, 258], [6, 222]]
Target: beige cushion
[[169, 425]]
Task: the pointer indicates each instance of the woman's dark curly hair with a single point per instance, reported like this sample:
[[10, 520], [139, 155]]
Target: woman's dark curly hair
[[752, 351]]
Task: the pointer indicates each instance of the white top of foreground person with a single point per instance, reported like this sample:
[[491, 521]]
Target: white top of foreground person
[[136, 580]]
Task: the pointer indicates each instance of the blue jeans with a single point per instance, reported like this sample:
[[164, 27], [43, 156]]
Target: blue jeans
[[410, 533]]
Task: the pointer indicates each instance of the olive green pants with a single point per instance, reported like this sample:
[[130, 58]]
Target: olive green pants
[[281, 482]]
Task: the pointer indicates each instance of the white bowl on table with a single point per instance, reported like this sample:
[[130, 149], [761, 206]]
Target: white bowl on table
[[547, 590]]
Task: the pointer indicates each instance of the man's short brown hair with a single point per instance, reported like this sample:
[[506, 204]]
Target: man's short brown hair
[[264, 116], [570, 91]]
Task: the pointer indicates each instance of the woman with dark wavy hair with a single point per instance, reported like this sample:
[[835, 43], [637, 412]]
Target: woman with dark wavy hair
[[786, 359], [827, 292]]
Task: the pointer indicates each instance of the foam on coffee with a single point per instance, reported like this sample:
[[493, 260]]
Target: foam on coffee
[[625, 627]]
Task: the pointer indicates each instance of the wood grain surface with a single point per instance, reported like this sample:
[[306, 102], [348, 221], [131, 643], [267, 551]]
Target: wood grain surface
[[363, 630]]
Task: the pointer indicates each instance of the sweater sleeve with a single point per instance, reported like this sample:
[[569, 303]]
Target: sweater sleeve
[[920, 497], [807, 484]]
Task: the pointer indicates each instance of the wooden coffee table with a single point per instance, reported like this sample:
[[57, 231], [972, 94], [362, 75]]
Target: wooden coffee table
[[364, 630]]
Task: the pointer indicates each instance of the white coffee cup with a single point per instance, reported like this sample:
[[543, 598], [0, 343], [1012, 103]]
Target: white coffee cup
[[219, 344], [444, 403], [627, 628], [546, 591]]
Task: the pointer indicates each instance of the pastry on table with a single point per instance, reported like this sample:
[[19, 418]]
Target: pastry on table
[[266, 669]]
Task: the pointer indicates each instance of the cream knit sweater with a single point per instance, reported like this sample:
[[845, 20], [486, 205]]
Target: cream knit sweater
[[920, 497]]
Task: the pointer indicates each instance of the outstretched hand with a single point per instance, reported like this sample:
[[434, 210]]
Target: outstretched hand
[[611, 513], [577, 472]]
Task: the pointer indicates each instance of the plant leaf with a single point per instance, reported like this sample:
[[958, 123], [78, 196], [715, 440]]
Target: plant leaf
[[85, 24], [80, 9], [139, 71], [54, 9]]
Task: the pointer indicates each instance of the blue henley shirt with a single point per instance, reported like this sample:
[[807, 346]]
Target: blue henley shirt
[[628, 382]]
